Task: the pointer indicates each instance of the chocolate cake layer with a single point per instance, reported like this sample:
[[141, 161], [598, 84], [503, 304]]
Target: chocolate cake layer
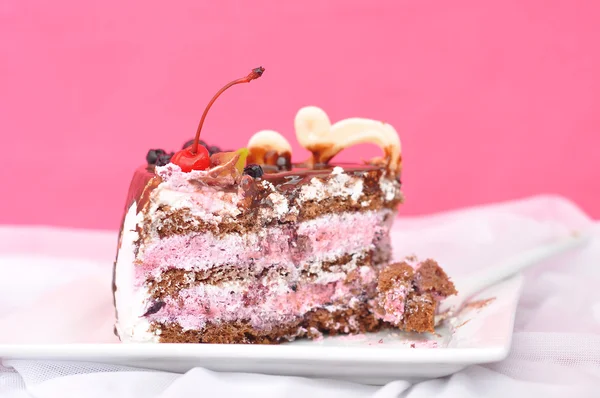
[[173, 280], [168, 222], [313, 324]]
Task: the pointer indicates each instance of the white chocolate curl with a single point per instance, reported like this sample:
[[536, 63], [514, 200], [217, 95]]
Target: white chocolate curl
[[315, 133], [265, 141]]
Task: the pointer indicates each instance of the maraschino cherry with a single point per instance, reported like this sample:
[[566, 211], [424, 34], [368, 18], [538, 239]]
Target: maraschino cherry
[[197, 157]]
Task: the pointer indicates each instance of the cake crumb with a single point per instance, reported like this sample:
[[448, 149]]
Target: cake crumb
[[424, 344], [479, 303], [462, 324]]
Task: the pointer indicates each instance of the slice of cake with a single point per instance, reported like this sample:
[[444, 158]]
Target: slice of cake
[[248, 247]]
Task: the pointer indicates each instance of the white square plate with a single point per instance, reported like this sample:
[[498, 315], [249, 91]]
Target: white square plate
[[464, 242], [481, 335]]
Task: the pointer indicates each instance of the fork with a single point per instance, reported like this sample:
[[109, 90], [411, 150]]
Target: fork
[[472, 285]]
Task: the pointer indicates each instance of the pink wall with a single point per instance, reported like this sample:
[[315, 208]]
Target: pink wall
[[493, 100]]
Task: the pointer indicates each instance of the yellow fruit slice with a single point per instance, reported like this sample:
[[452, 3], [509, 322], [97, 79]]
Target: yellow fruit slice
[[241, 162]]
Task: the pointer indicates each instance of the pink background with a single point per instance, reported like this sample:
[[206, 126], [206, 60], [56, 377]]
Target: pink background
[[493, 100]]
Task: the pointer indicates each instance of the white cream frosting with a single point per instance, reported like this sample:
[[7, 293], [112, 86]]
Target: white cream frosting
[[130, 301], [389, 188], [341, 184], [209, 204]]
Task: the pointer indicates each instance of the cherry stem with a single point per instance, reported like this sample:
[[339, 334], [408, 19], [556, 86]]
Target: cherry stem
[[255, 74]]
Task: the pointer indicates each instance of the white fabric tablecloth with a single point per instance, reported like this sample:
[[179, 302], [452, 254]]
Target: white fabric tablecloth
[[555, 351]]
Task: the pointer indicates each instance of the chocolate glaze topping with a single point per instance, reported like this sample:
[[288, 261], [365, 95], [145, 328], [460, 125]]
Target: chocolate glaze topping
[[302, 174]]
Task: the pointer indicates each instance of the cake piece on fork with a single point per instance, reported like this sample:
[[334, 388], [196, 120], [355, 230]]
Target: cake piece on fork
[[408, 294]]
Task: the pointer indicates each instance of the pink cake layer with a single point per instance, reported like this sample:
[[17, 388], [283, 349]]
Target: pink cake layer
[[393, 303], [265, 304], [323, 239]]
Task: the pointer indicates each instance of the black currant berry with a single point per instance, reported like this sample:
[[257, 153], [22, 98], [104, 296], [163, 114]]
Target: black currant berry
[[153, 155], [254, 171], [164, 159]]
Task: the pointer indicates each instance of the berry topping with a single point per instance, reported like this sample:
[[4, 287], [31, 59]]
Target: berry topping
[[164, 159], [254, 171], [191, 142], [214, 149], [153, 155], [197, 157]]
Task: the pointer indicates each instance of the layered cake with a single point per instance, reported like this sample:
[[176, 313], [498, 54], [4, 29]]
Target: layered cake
[[249, 246]]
